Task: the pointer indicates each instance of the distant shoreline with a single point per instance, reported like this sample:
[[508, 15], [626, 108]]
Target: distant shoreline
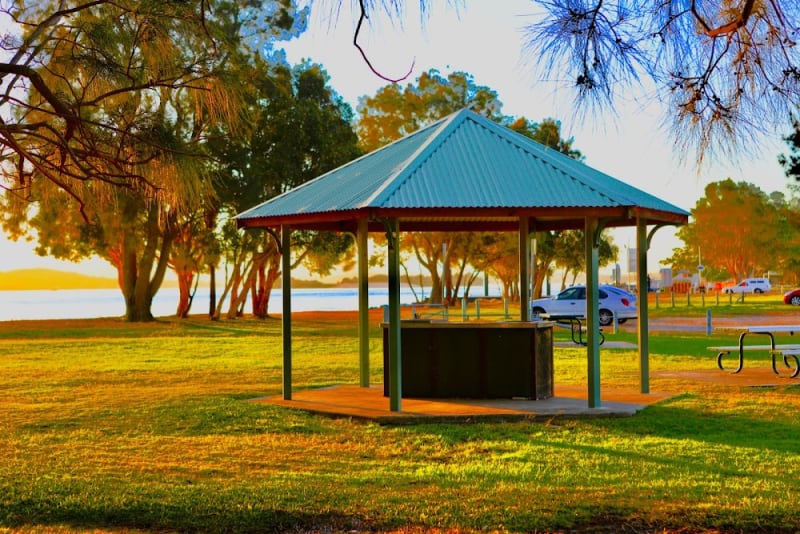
[[53, 280]]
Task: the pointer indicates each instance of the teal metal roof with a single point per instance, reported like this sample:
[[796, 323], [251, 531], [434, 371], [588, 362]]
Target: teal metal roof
[[462, 167]]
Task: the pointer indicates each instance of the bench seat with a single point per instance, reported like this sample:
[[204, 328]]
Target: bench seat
[[778, 348]]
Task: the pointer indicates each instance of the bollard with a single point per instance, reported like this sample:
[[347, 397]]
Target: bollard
[[615, 322], [477, 308], [688, 298], [708, 322], [673, 298], [464, 315]]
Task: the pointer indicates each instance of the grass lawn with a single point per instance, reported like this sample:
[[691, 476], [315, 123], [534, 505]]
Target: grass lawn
[[106, 426]]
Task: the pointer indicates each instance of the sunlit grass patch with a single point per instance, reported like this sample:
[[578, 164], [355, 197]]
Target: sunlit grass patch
[[109, 427]]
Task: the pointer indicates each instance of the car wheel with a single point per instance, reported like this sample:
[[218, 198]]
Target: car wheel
[[795, 300], [538, 311], [605, 317], [758, 290]]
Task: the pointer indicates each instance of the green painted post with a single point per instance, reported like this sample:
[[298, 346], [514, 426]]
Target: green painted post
[[524, 270], [643, 325], [592, 253], [286, 316], [395, 361], [363, 303]]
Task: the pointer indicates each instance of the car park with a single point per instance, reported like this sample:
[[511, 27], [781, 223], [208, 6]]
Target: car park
[[571, 302], [792, 297], [750, 285]]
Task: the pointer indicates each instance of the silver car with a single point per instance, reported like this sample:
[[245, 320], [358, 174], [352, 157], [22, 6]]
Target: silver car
[[572, 303]]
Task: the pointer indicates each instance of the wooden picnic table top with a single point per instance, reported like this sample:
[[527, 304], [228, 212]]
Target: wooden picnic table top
[[761, 328]]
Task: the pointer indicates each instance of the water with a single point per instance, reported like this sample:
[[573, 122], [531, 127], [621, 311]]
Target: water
[[89, 303]]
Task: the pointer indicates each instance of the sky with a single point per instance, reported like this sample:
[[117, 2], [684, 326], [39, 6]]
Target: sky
[[484, 38]]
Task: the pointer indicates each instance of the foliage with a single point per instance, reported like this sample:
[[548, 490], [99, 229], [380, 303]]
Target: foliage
[[92, 89], [737, 230], [791, 162], [394, 112], [724, 71], [171, 438], [111, 105], [302, 129]]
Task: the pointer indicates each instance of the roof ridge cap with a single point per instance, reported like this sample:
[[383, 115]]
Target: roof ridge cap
[[385, 190]]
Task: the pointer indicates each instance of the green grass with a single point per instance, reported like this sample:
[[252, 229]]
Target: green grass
[[106, 426]]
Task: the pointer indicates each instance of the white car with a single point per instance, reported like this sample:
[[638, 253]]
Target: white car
[[750, 285], [572, 303]]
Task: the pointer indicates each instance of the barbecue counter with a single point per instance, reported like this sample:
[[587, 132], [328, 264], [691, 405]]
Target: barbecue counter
[[479, 360]]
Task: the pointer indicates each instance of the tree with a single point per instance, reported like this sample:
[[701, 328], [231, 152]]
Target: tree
[[736, 229], [111, 105], [302, 130], [84, 79], [395, 112], [791, 166], [725, 70], [791, 162]]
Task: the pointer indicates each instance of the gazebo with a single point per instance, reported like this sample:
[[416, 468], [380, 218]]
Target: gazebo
[[464, 173]]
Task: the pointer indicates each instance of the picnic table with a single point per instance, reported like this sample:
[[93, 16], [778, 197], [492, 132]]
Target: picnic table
[[575, 323], [788, 353]]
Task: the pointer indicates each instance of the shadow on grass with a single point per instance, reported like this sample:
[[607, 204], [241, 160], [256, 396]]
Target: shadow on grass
[[150, 515]]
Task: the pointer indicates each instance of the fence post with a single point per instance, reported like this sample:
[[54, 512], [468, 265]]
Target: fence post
[[615, 322], [505, 308], [672, 296], [385, 313], [689, 298], [464, 315], [708, 322], [477, 308], [657, 292]]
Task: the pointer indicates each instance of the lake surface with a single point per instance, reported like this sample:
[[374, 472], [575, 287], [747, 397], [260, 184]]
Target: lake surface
[[89, 303]]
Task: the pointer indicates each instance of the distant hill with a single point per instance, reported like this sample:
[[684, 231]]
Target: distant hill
[[31, 279], [52, 279]]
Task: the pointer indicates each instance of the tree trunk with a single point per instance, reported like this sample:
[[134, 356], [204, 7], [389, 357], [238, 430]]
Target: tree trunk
[[141, 260], [212, 291], [185, 280]]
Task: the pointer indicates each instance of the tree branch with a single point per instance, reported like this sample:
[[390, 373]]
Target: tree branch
[[361, 19]]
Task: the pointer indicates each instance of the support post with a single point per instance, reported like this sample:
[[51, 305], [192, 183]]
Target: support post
[[592, 255], [395, 362], [363, 303], [643, 322], [286, 316], [524, 269]]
